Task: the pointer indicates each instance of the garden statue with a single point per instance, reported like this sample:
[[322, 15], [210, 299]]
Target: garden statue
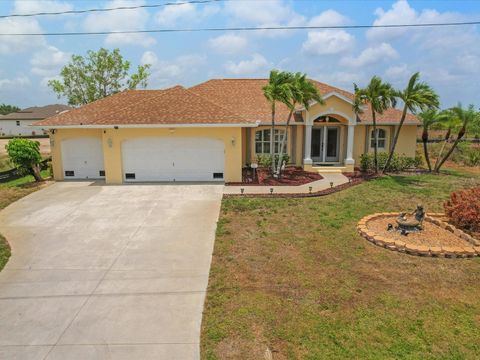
[[406, 223]]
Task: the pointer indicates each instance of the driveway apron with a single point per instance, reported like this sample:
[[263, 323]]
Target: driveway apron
[[107, 272]]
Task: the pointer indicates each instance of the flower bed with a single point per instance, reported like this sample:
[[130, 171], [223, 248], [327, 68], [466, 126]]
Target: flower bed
[[438, 238], [291, 176]]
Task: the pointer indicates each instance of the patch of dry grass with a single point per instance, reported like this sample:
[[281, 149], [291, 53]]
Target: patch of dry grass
[[293, 275]]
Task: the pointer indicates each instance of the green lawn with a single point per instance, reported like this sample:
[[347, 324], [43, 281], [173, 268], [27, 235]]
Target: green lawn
[[10, 192], [294, 276]]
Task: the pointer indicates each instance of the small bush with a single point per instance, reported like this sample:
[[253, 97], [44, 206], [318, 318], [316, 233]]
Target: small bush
[[265, 160], [472, 156], [398, 162], [463, 209]]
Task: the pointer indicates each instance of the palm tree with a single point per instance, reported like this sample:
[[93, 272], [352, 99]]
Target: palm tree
[[303, 92], [428, 118], [416, 96], [380, 96], [462, 118], [277, 89]]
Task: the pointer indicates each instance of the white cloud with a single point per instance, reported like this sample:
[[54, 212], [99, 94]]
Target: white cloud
[[402, 13], [228, 43], [371, 55], [171, 72], [35, 6], [247, 67], [48, 61], [17, 44], [15, 83], [184, 12], [135, 19], [398, 72], [327, 42], [328, 18], [263, 14]]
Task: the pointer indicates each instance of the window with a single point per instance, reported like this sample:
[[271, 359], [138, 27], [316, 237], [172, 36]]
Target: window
[[18, 122], [262, 141], [381, 139]]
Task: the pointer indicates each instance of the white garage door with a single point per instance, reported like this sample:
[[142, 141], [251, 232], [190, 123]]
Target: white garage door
[[172, 159], [82, 158]]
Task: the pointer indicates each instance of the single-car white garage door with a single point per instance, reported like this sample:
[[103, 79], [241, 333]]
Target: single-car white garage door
[[82, 158], [172, 159]]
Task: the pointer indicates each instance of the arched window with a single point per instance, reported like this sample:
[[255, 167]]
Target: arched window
[[262, 141], [381, 139]]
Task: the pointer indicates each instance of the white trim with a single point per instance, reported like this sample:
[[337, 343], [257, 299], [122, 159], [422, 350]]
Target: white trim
[[331, 112], [132, 126]]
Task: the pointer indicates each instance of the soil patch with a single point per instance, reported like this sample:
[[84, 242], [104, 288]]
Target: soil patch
[[291, 176]]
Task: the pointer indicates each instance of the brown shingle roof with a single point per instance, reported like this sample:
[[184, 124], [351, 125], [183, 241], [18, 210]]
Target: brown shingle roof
[[246, 97], [176, 105], [219, 101], [36, 112]]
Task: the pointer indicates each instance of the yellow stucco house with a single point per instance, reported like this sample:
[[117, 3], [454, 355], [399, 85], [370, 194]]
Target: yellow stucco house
[[209, 132]]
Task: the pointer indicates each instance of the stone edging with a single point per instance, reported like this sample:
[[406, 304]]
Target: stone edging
[[419, 250]]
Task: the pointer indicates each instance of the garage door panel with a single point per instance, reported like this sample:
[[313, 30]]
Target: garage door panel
[[82, 158], [173, 159]]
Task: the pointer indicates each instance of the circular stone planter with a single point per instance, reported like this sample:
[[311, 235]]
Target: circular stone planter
[[455, 243]]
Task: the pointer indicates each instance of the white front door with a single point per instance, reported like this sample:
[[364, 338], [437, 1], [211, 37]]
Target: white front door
[[173, 159], [82, 158]]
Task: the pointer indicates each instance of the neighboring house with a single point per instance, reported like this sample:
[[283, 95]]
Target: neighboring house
[[209, 132], [18, 123]]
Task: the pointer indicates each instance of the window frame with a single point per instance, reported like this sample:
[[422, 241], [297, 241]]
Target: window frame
[[17, 122], [264, 141], [379, 139]]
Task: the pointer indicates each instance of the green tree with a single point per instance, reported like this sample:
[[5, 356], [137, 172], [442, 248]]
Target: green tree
[[416, 96], [302, 92], [457, 118], [25, 155], [99, 74], [7, 109], [380, 96], [278, 89]]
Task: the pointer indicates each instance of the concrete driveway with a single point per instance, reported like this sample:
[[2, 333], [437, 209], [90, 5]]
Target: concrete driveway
[[107, 272]]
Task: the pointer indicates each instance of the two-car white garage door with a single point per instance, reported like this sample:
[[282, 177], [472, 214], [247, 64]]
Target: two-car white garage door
[[173, 159], [148, 159]]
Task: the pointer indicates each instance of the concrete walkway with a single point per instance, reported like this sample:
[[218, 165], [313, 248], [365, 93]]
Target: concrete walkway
[[107, 272], [336, 178]]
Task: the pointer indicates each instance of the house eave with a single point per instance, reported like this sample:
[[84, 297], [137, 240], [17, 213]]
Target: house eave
[[143, 126]]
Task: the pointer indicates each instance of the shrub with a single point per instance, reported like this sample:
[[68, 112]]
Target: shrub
[[265, 160], [472, 156], [25, 155], [398, 162], [463, 209]]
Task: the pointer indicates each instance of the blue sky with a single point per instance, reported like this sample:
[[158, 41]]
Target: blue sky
[[448, 58]]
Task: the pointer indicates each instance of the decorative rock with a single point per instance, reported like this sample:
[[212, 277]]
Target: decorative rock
[[448, 251], [379, 240], [423, 250], [435, 251], [420, 250]]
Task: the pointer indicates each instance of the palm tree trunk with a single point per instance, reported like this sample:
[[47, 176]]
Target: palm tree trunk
[[395, 139], [447, 155], [375, 139], [282, 144], [425, 148], [447, 137], [272, 142]]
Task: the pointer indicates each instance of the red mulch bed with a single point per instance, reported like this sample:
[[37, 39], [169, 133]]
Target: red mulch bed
[[291, 176]]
